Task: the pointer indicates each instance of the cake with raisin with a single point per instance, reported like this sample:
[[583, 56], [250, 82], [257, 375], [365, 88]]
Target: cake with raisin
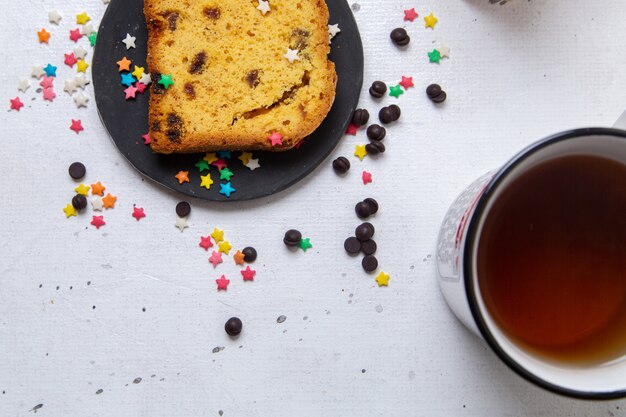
[[237, 74]]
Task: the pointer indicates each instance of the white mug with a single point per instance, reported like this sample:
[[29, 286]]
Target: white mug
[[456, 261]]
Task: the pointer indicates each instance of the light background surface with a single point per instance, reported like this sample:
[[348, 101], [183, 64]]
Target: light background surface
[[348, 348]]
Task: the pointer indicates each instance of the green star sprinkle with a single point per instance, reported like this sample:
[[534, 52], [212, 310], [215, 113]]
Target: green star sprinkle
[[202, 165], [225, 174], [92, 38], [434, 56], [305, 244], [395, 91], [166, 80]]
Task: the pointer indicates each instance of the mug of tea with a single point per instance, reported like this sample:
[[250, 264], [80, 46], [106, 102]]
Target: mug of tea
[[532, 258]]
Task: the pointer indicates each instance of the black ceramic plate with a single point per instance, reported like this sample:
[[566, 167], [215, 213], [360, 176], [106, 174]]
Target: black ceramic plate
[[127, 121]]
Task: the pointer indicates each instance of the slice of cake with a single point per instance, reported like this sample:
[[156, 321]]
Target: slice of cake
[[237, 74]]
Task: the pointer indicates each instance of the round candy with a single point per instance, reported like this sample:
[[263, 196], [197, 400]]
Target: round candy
[[369, 247], [233, 326], [363, 232], [292, 237], [376, 132], [362, 210], [373, 205], [352, 245], [183, 209], [249, 254], [77, 170], [360, 117], [369, 263], [378, 89], [375, 148], [399, 37], [79, 202], [341, 165]]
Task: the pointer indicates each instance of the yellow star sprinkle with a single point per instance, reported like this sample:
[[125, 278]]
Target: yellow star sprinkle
[[138, 72], [217, 235], [430, 21], [382, 279], [82, 189], [207, 181], [224, 247], [210, 157], [360, 151], [82, 66], [82, 18], [245, 157], [69, 211]]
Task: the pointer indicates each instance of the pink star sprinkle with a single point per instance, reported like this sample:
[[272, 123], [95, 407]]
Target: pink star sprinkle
[[146, 139], [16, 103], [48, 94], [205, 242], [70, 60], [407, 82], [220, 164], [222, 283], [410, 14], [138, 213], [248, 274], [275, 139], [130, 92], [75, 35], [76, 126], [367, 177], [98, 221], [351, 130], [216, 258], [47, 82], [141, 87]]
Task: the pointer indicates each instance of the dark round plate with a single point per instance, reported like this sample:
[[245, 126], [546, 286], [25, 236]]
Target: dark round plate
[[127, 121]]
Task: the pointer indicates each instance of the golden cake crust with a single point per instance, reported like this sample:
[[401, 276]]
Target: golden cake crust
[[233, 86]]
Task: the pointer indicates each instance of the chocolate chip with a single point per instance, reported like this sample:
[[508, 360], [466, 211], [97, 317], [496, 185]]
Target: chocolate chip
[[364, 232], [396, 111], [253, 78], [212, 12], [435, 93], [173, 119], [197, 65], [156, 87], [373, 205], [362, 210], [400, 37], [77, 170], [440, 98], [352, 245], [79, 202], [183, 209], [369, 263], [376, 132], [292, 237], [375, 148], [369, 247], [378, 89], [370, 226], [233, 326], [341, 165], [389, 114], [360, 117], [173, 135], [249, 254], [171, 21], [190, 90]]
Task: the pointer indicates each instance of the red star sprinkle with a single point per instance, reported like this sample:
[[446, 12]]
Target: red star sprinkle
[[367, 177], [146, 139], [130, 92], [16, 103], [220, 164], [351, 130], [275, 139], [70, 60], [205, 242], [222, 283], [406, 82], [248, 274], [48, 94], [98, 221], [75, 35], [141, 87], [216, 258], [410, 14], [47, 82], [76, 126], [138, 213]]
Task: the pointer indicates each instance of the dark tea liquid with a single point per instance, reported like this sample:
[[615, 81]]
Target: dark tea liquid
[[552, 260]]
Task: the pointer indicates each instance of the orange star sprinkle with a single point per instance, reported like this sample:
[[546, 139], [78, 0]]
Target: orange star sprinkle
[[238, 257], [124, 64], [97, 189], [109, 200], [43, 35], [182, 176]]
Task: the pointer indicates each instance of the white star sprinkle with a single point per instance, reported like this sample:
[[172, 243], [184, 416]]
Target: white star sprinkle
[[81, 100], [444, 51], [87, 29], [70, 87], [23, 85], [81, 81], [38, 72], [181, 223], [54, 17], [129, 41], [79, 52], [97, 204], [263, 7], [253, 164], [292, 55], [333, 30], [145, 78], [106, 1]]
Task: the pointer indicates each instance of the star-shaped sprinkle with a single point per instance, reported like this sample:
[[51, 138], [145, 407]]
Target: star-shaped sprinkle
[[333, 30], [166, 81], [69, 211], [96, 204], [97, 188], [127, 79], [129, 41], [124, 64], [275, 138], [352, 129], [70, 60], [206, 181], [202, 165], [225, 174], [217, 235], [47, 82], [224, 246], [223, 154], [109, 201], [253, 164], [434, 56], [138, 72], [210, 157], [37, 72], [81, 66], [182, 176], [430, 21], [395, 91], [407, 82], [238, 257], [245, 157], [222, 283], [305, 244], [23, 85], [146, 78], [220, 164], [87, 29], [382, 279], [50, 70], [70, 86], [82, 189], [43, 35], [138, 213], [98, 221], [92, 38], [82, 18], [77, 126], [205, 242], [81, 100], [79, 52], [360, 152], [181, 223], [248, 274], [227, 189], [54, 17], [215, 258], [81, 81], [292, 55], [444, 51], [49, 94], [75, 34], [367, 177], [16, 104], [141, 87], [410, 14], [130, 92], [147, 140], [263, 7]]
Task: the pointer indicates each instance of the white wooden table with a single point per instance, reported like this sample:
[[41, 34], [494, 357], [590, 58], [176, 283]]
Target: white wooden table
[[72, 298]]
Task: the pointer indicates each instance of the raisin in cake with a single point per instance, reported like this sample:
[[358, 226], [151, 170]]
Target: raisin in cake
[[234, 85]]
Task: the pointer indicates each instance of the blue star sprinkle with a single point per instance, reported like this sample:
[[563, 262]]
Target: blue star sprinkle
[[223, 154], [51, 70], [226, 189], [128, 79]]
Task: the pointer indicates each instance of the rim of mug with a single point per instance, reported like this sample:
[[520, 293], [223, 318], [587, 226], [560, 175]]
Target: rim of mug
[[468, 264]]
